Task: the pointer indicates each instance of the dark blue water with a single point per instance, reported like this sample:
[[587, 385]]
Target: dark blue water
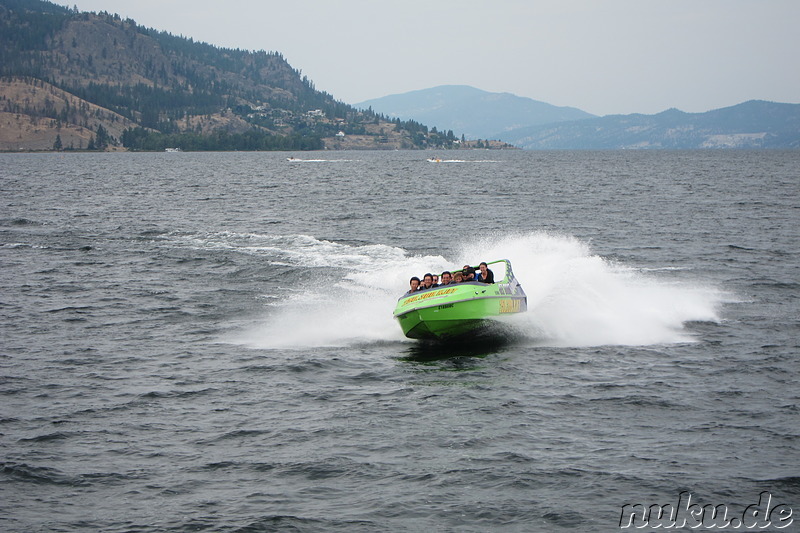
[[204, 342]]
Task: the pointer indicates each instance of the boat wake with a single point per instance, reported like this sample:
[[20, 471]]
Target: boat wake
[[434, 160], [575, 297], [298, 160]]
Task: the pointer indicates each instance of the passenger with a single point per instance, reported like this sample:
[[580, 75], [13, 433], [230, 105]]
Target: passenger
[[485, 275], [458, 277], [427, 282], [469, 273], [447, 278], [436, 280], [414, 283]]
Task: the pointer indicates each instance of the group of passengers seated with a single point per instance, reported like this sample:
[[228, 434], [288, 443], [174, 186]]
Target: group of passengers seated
[[468, 273]]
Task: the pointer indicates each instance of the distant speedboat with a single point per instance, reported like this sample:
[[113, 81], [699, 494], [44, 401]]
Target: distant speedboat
[[173, 150], [454, 310], [434, 160]]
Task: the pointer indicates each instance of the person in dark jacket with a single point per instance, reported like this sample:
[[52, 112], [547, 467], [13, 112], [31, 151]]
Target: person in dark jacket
[[485, 275]]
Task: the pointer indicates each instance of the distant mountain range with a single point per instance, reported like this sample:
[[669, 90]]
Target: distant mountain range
[[753, 124], [469, 111], [535, 125], [72, 80]]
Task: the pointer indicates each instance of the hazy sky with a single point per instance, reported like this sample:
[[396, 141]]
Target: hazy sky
[[602, 56]]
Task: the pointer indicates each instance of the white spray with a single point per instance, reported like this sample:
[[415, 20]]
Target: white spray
[[575, 298]]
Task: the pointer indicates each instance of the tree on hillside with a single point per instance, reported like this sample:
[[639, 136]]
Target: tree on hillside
[[100, 140]]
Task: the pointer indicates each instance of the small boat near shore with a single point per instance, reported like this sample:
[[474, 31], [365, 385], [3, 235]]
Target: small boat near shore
[[456, 310]]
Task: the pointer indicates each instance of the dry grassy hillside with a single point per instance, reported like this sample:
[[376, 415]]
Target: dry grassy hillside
[[23, 128]]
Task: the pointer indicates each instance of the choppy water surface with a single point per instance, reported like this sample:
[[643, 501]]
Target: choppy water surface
[[204, 342]]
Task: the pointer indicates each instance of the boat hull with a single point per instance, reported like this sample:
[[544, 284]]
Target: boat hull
[[454, 311]]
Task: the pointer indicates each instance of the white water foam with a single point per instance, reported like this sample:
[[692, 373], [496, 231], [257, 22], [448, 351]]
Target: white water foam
[[295, 160], [463, 161], [295, 250], [575, 298]]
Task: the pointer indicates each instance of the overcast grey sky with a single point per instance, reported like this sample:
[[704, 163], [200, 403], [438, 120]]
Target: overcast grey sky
[[602, 56]]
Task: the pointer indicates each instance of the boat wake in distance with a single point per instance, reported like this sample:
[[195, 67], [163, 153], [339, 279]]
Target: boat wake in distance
[[298, 160], [437, 160]]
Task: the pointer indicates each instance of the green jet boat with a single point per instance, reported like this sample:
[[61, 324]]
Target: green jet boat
[[455, 310]]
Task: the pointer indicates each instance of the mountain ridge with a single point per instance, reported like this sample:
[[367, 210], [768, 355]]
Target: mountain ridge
[[474, 112], [174, 91], [751, 124], [79, 80]]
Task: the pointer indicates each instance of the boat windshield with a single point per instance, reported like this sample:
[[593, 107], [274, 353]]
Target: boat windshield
[[501, 270]]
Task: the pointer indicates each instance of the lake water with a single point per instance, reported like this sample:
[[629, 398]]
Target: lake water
[[205, 342]]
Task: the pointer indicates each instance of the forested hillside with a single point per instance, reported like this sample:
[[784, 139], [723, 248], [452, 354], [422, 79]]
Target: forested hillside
[[73, 80]]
